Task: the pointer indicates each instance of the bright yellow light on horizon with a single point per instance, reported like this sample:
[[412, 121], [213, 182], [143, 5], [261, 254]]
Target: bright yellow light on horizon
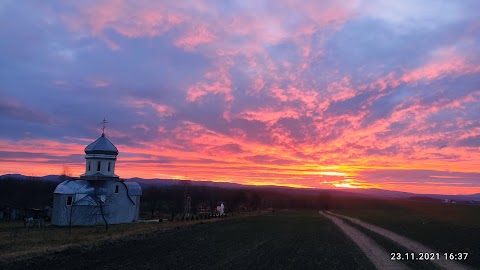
[[345, 185], [333, 173], [327, 173], [352, 183], [256, 183]]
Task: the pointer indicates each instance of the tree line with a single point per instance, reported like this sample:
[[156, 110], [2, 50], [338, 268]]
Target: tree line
[[170, 200]]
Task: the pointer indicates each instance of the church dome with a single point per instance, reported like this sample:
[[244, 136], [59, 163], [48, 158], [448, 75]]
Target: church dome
[[101, 146]]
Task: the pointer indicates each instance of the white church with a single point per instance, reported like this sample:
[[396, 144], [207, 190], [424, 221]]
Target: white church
[[98, 196]]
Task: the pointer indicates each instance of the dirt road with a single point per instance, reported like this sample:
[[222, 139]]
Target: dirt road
[[404, 241], [377, 255]]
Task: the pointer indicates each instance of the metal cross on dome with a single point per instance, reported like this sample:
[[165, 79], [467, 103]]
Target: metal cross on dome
[[104, 122]]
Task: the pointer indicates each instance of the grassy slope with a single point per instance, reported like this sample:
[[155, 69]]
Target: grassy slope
[[443, 227], [16, 240], [284, 241]]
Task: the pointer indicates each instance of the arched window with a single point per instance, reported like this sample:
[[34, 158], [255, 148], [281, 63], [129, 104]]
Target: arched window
[[98, 165], [109, 163], [89, 165], [69, 200]]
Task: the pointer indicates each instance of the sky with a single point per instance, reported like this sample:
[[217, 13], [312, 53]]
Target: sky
[[309, 94]]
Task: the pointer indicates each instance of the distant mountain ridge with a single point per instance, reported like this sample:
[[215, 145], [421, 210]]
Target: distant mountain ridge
[[156, 182], [400, 194]]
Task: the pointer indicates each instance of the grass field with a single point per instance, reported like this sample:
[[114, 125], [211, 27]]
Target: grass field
[[290, 240], [16, 240], [442, 226], [284, 240]]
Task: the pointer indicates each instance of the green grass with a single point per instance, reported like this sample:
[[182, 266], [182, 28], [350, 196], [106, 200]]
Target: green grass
[[441, 226], [286, 240]]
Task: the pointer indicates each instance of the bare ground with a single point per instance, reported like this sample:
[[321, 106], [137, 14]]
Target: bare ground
[[406, 242], [377, 255]]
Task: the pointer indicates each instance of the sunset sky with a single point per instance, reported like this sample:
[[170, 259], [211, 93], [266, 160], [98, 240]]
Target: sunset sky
[[368, 94]]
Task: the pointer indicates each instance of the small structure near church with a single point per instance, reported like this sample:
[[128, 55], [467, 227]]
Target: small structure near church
[[220, 211], [98, 196]]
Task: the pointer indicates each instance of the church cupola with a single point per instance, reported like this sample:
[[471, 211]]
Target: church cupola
[[100, 157]]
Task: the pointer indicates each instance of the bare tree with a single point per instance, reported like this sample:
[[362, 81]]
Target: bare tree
[[88, 211], [66, 173], [71, 212], [101, 203]]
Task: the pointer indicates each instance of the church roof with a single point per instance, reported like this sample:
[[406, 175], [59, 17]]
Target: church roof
[[101, 146], [74, 186], [133, 188], [85, 192]]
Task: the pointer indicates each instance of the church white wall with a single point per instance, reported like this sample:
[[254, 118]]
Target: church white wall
[[74, 215], [118, 208], [103, 167], [137, 208], [57, 211]]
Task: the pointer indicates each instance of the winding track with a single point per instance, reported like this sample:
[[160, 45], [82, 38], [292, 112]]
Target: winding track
[[404, 241], [377, 255]]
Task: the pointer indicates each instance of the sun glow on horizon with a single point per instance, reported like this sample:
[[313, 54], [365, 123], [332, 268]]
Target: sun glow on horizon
[[339, 179], [253, 183], [346, 185]]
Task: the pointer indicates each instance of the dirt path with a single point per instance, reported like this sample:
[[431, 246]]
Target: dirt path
[[406, 242], [377, 255]]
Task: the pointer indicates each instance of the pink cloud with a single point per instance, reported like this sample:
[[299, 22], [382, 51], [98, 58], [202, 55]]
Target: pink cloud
[[279, 93], [327, 13], [162, 110], [444, 62], [101, 83], [131, 19], [252, 25], [341, 90], [258, 84], [269, 115], [39, 146], [217, 82], [141, 126], [194, 93], [194, 37]]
